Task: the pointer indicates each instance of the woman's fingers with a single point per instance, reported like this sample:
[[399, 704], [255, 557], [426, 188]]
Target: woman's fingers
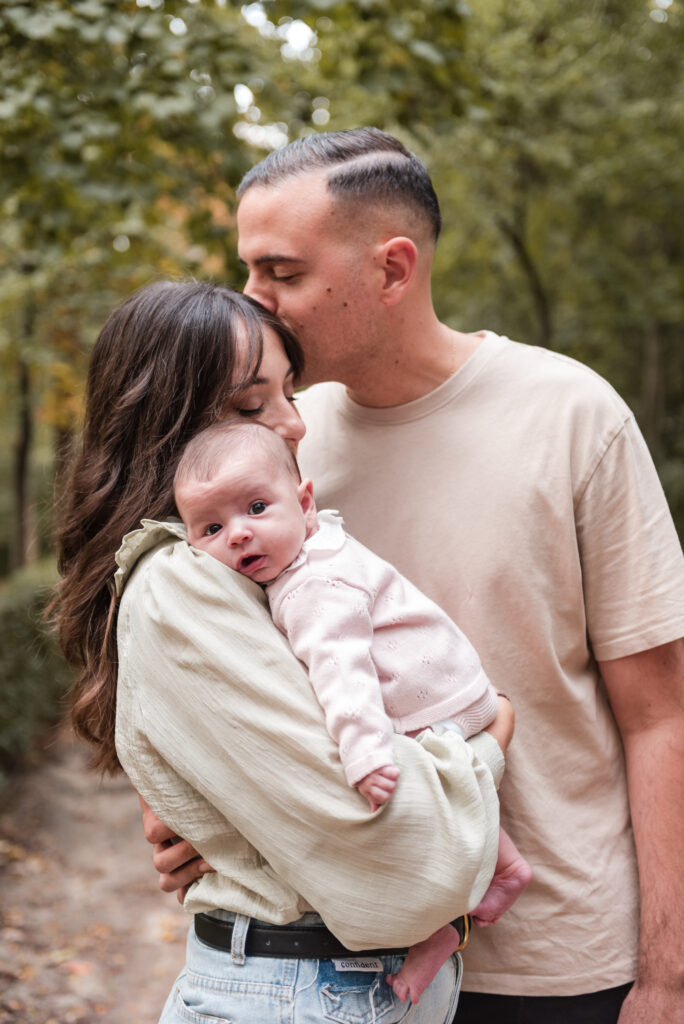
[[177, 863], [155, 830], [173, 858]]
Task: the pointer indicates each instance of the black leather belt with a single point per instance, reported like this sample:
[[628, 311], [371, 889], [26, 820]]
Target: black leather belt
[[289, 941]]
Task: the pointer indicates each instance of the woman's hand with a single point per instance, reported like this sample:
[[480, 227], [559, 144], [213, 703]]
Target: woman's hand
[[176, 861]]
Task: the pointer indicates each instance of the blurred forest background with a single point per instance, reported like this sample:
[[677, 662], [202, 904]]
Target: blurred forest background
[[554, 134]]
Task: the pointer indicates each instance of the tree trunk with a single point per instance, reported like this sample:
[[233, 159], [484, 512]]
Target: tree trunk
[[63, 446], [540, 300], [22, 450]]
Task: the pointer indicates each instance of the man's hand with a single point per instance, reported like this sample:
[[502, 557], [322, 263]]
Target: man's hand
[[378, 786], [177, 862]]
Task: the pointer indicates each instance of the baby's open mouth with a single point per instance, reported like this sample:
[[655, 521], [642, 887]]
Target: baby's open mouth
[[248, 560]]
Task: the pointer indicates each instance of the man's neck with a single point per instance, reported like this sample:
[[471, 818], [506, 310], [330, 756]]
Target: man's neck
[[413, 371]]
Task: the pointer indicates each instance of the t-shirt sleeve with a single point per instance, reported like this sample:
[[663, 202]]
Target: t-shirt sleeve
[[632, 563]]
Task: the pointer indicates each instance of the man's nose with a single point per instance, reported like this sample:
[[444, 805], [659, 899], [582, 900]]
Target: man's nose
[[259, 289]]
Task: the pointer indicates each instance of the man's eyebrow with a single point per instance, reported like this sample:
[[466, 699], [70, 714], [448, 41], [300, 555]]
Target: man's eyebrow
[[274, 258]]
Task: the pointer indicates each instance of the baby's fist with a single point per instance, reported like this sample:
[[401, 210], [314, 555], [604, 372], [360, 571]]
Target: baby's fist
[[378, 786]]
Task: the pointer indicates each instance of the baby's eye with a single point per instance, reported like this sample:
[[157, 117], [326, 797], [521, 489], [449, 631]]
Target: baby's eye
[[257, 507], [212, 529]]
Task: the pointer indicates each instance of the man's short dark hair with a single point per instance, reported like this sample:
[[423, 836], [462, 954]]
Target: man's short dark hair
[[366, 164]]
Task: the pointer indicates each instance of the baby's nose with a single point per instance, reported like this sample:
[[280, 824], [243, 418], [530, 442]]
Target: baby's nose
[[238, 534]]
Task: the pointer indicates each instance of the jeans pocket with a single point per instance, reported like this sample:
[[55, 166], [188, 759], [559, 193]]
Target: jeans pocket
[[182, 1012], [346, 1000]]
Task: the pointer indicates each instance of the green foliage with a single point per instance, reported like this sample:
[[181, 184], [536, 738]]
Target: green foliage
[[34, 677], [570, 149], [553, 133], [564, 196], [397, 65], [118, 153]]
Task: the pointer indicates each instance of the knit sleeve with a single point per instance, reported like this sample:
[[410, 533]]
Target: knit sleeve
[[328, 624]]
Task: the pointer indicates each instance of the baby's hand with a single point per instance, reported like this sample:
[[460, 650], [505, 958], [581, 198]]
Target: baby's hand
[[378, 786], [503, 725]]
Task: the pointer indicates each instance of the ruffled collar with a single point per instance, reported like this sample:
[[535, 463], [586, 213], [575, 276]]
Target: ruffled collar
[[138, 542], [329, 537]]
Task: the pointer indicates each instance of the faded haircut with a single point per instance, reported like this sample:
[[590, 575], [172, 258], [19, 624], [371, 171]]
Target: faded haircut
[[207, 451], [366, 165]]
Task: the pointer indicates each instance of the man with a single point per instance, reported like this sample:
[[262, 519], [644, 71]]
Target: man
[[546, 538]]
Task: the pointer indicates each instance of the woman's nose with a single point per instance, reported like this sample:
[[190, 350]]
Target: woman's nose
[[290, 426]]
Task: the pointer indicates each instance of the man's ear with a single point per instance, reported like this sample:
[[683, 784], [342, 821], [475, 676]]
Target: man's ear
[[308, 505], [399, 260]]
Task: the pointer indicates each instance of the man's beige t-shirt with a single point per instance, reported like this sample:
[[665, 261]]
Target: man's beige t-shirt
[[520, 496]]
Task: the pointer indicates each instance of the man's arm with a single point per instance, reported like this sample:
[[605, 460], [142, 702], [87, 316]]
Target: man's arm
[[646, 692]]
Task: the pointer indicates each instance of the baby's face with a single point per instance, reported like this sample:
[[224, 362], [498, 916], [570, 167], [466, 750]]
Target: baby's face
[[253, 515]]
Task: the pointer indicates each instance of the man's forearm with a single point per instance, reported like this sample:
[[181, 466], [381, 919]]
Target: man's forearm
[[655, 769], [647, 695]]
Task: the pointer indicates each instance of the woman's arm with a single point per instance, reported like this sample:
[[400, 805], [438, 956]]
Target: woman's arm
[[210, 692], [179, 864]]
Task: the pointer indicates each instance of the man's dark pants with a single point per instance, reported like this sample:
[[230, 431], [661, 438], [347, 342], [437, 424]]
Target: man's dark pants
[[594, 1008]]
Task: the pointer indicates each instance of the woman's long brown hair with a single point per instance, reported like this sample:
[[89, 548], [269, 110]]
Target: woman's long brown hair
[[164, 366]]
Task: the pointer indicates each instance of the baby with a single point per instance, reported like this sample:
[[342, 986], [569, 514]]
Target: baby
[[382, 657]]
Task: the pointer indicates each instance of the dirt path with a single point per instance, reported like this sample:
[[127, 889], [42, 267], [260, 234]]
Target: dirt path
[[85, 934]]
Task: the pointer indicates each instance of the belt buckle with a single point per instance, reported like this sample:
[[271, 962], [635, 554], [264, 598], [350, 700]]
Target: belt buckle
[[466, 933]]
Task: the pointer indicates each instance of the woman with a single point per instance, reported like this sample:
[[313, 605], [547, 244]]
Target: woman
[[187, 684]]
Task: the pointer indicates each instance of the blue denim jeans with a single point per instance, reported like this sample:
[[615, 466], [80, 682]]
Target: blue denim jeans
[[221, 987]]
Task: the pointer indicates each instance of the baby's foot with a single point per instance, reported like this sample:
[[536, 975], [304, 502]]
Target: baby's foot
[[506, 886], [422, 963]]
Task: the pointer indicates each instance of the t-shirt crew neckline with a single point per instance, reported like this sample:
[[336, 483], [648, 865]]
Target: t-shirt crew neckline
[[433, 400]]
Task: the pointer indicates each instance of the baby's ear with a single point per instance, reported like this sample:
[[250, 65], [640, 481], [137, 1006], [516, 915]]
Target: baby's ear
[[306, 500]]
